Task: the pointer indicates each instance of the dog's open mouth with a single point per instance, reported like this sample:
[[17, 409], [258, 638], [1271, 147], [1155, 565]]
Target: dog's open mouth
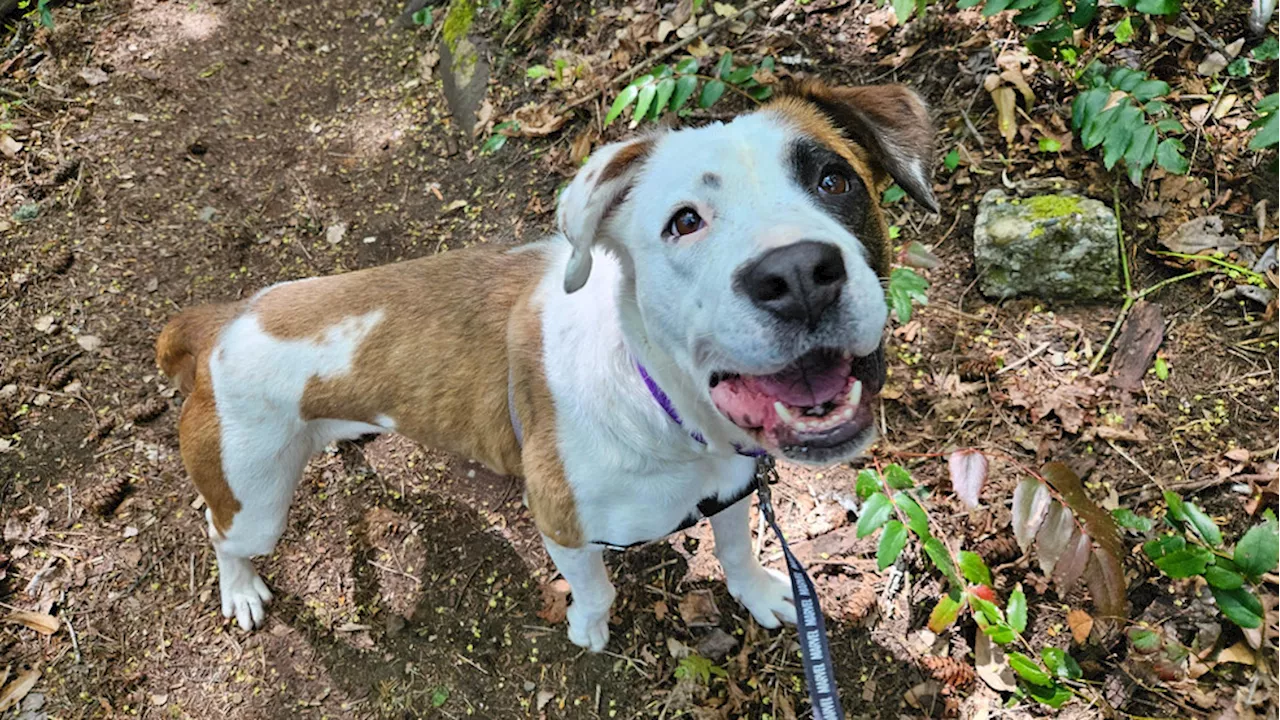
[[818, 407]]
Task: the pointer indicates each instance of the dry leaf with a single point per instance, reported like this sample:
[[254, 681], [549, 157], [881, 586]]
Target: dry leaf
[[8, 146], [659, 610], [13, 693], [42, 623], [555, 601], [1055, 533], [968, 472], [698, 609], [1006, 112], [1031, 502], [992, 666], [1081, 624], [1239, 653], [538, 120], [1201, 234]]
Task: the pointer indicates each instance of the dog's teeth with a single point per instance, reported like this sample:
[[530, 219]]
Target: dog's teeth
[[855, 395], [784, 414], [846, 414]]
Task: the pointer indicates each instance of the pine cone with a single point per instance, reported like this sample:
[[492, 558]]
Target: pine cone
[[104, 497], [66, 170], [862, 602], [101, 430], [59, 378], [948, 670], [919, 30], [978, 368], [146, 411], [998, 549], [59, 261]]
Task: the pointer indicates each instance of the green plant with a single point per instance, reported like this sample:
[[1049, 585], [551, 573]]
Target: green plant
[[1194, 546], [699, 669], [1123, 112], [499, 137], [423, 17], [669, 89], [1267, 124], [906, 287], [41, 12]]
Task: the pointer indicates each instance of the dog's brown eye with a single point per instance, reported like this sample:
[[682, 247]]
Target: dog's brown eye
[[686, 221], [833, 183]]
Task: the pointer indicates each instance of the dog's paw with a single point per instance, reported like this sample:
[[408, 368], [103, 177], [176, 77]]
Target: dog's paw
[[588, 630], [766, 594], [245, 597]]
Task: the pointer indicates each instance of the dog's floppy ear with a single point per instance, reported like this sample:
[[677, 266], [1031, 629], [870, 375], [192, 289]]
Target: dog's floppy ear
[[890, 121], [597, 188]]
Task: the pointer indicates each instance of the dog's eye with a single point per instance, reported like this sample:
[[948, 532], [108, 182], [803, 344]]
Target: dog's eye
[[686, 221], [834, 183]]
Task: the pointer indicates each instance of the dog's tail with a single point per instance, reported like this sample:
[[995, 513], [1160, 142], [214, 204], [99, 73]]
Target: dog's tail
[[187, 336]]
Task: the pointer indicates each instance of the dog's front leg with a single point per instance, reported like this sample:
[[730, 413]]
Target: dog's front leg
[[592, 592], [764, 592]]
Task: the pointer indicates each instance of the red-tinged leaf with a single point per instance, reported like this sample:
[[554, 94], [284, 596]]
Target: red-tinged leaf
[[1031, 501], [1053, 537], [1072, 563], [944, 613], [1105, 574], [968, 473], [983, 592]]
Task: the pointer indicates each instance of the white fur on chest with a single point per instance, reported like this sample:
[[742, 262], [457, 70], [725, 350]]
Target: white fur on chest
[[635, 474]]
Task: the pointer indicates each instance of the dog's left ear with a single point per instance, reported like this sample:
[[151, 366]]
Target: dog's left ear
[[890, 121], [597, 188]]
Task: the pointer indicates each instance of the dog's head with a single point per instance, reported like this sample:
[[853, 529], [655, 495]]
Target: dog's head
[[753, 254]]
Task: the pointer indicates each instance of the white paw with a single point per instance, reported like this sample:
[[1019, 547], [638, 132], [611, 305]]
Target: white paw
[[589, 630], [766, 594], [244, 597]]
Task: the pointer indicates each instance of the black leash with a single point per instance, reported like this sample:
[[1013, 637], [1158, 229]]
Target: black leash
[[815, 650]]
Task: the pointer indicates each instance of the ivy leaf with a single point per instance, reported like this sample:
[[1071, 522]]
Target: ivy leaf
[[897, 477], [1018, 609], [625, 98], [868, 482], [1130, 520], [974, 569], [1028, 669], [711, 92], [968, 470], [684, 90], [1169, 156], [892, 540], [892, 194], [1258, 551], [875, 513], [906, 286], [944, 613], [1240, 606]]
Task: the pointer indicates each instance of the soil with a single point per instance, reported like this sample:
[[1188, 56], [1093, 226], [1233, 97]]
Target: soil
[[234, 145]]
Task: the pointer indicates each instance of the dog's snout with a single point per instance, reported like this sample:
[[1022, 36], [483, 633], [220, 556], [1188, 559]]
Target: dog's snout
[[795, 282]]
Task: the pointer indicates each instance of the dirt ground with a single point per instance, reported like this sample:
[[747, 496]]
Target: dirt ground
[[221, 147]]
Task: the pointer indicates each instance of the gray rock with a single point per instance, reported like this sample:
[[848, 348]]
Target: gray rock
[[1059, 246]]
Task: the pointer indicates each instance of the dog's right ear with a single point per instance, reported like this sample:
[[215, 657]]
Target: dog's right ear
[[597, 188]]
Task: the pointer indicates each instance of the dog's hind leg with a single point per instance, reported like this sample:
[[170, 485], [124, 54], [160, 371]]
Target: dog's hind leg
[[593, 593]]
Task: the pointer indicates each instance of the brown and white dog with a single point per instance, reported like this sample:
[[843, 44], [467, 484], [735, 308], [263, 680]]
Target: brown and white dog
[[720, 289]]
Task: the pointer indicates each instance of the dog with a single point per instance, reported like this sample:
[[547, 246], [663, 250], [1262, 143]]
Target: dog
[[712, 294]]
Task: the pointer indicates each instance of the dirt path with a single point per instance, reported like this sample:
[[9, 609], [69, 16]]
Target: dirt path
[[229, 146]]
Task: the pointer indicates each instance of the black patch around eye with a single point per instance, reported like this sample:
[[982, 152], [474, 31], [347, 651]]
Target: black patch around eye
[[809, 162]]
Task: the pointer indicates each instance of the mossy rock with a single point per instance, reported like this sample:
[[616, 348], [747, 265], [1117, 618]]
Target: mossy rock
[[1056, 246]]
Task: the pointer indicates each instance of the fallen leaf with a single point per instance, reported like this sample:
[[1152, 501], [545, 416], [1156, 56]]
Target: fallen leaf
[[1201, 234], [968, 472], [1240, 653], [698, 609], [13, 693], [92, 76], [89, 342], [8, 146], [544, 697], [1237, 454], [538, 120], [43, 623], [45, 324], [659, 610], [1006, 112], [1213, 64], [555, 601], [923, 695], [992, 665], [335, 233], [1081, 624]]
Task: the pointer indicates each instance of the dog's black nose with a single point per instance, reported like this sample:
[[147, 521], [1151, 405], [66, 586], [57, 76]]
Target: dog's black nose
[[795, 282]]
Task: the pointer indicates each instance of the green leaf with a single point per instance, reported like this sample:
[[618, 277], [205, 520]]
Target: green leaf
[[952, 160], [897, 477], [906, 286], [1162, 546], [687, 66], [1084, 12], [1060, 664], [1028, 669], [1177, 509], [711, 92], [944, 613], [1049, 145], [904, 9], [995, 6], [917, 519], [1149, 90], [493, 144], [892, 540], [423, 17], [1128, 519], [1169, 125], [1185, 563], [1120, 134], [625, 98], [537, 71], [666, 87], [868, 482], [1258, 551], [1223, 578], [974, 569], [1018, 609], [1238, 67], [1043, 43], [1124, 31], [875, 513], [1169, 156], [760, 93], [990, 612], [1145, 641], [739, 76], [892, 194], [439, 697], [1158, 7], [1052, 695], [724, 66], [999, 634], [1204, 525], [1240, 606], [937, 552], [1268, 49], [1086, 107], [1095, 129], [1041, 12], [1161, 368], [662, 71], [1268, 134], [684, 90], [647, 93]]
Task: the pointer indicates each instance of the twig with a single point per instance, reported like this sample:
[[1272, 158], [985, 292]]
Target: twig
[[470, 662], [71, 630], [657, 57], [386, 568], [1024, 359]]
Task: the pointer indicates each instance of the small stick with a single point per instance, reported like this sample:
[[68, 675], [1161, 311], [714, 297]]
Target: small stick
[[75, 640], [1024, 359], [470, 662]]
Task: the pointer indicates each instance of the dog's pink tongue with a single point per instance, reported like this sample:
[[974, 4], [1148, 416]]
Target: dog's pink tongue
[[804, 385]]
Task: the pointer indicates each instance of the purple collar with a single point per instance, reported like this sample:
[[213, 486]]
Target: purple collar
[[664, 402]]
